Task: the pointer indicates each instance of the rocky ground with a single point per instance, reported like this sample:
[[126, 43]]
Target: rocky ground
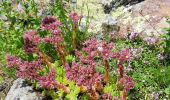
[[5, 85]]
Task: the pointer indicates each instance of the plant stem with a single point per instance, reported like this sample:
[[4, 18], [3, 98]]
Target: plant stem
[[93, 94], [107, 70], [121, 70], [74, 40], [124, 95], [45, 59], [63, 87], [62, 52], [74, 36]]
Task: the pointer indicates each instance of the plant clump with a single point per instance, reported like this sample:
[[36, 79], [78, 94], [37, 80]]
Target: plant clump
[[82, 71]]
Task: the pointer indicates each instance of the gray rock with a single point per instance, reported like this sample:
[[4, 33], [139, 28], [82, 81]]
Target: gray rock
[[110, 25], [20, 90], [112, 4]]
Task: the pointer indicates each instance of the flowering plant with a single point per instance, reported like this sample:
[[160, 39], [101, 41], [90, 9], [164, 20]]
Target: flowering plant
[[82, 70]]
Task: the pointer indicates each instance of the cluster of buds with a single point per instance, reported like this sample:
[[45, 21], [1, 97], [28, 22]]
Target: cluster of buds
[[127, 83], [52, 24], [84, 76]]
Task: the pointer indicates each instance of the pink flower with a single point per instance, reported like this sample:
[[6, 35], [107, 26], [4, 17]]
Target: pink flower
[[107, 96], [56, 32], [49, 81], [53, 39], [29, 70], [96, 47], [13, 61], [84, 75], [50, 23], [31, 41], [75, 18], [127, 82], [26, 70], [124, 55]]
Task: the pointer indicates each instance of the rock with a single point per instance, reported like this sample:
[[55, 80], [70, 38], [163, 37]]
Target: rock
[[109, 25], [20, 90], [148, 18], [156, 10], [110, 5]]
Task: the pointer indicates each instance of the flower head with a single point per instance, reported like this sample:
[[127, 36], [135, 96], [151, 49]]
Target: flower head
[[84, 76], [75, 18], [124, 55], [50, 23], [31, 41], [53, 39], [29, 70], [133, 35], [49, 81], [151, 40], [13, 61], [98, 47], [127, 82], [107, 96], [25, 70]]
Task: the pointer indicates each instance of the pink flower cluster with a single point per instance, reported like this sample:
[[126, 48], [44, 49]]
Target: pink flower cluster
[[13, 61], [96, 47], [52, 24], [124, 55], [75, 18], [31, 41], [84, 76], [49, 81], [26, 70], [127, 83], [107, 96]]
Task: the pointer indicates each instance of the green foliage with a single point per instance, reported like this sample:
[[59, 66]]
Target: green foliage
[[61, 77], [1, 79], [112, 89], [75, 90]]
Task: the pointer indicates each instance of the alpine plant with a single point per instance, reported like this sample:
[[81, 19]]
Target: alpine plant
[[82, 71]]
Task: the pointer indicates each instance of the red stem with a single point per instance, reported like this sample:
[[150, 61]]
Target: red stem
[[45, 58], [107, 70], [121, 70], [62, 52], [124, 95]]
